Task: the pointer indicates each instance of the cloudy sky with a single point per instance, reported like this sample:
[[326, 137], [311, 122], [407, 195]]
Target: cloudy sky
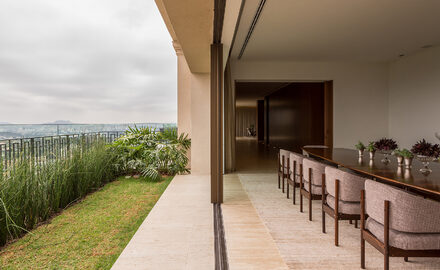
[[87, 61]]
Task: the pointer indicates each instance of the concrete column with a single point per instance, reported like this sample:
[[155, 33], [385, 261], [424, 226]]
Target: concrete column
[[193, 112], [183, 95]]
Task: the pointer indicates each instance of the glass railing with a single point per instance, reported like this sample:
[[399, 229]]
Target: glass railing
[[14, 131]]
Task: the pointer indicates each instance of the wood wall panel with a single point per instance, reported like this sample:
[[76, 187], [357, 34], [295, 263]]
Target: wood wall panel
[[296, 116]]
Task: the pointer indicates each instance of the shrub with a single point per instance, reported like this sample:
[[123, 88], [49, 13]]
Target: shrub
[[151, 153]]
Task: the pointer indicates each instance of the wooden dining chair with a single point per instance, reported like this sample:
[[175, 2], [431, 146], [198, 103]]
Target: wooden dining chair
[[294, 162], [398, 223], [311, 172], [341, 193], [283, 171]]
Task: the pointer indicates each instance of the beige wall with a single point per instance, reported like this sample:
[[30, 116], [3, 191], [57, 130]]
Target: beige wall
[[200, 122], [414, 95], [193, 107], [360, 93]]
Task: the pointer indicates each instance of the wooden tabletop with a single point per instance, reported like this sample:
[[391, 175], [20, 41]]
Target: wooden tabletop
[[390, 173]]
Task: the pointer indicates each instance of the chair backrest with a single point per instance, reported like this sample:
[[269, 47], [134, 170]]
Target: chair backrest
[[350, 185], [408, 212], [295, 157], [318, 169], [285, 154]]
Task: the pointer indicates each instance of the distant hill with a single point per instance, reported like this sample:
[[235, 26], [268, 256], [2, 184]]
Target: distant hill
[[60, 122], [4, 123]]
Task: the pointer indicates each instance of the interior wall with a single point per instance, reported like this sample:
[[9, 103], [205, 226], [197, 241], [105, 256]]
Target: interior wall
[[360, 93], [414, 96], [296, 116], [244, 118]]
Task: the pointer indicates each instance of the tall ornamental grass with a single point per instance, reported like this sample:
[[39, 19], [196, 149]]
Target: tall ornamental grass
[[31, 192]]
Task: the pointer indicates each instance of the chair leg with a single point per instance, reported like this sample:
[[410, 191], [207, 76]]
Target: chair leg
[[323, 221], [336, 231], [283, 184], [300, 202], [294, 193], [310, 207], [362, 251], [350, 221], [279, 181], [386, 261], [287, 190], [406, 259], [355, 223]]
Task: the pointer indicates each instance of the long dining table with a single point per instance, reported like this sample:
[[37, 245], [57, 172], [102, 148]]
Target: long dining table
[[409, 179]]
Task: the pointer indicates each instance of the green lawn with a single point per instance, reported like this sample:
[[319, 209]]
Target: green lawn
[[90, 234]]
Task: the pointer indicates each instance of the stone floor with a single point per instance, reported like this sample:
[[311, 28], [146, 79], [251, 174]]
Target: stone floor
[[248, 242], [178, 232], [301, 243]]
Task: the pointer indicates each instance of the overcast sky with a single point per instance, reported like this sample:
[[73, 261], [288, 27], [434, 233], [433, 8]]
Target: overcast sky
[[88, 61]]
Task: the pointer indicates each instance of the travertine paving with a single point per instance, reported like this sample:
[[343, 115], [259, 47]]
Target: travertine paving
[[249, 244], [178, 232], [301, 243]]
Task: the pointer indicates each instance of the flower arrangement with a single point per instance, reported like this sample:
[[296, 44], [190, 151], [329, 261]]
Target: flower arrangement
[[425, 152], [360, 146], [371, 147], [424, 148], [406, 153], [385, 144], [397, 153]]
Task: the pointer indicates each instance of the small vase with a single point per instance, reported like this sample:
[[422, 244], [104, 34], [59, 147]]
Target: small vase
[[399, 160], [385, 159], [361, 153], [408, 162], [425, 160], [372, 154]]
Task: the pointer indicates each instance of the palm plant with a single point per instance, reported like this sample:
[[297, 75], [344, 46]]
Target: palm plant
[[151, 153]]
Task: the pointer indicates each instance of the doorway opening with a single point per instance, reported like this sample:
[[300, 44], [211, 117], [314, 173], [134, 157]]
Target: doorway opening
[[273, 115]]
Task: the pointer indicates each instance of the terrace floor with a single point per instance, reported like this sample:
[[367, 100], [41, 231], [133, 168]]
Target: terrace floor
[[263, 230], [177, 233]]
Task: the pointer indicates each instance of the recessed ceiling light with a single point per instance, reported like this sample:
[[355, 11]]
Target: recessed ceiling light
[[426, 46]]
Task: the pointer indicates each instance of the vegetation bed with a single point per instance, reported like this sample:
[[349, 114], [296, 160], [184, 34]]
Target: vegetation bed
[[90, 234]]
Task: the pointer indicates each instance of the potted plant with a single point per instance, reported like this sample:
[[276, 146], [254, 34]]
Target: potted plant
[[426, 152], [360, 147], [372, 149], [385, 146], [399, 156], [407, 157]]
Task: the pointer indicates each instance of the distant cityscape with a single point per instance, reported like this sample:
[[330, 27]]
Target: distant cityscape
[[64, 127]]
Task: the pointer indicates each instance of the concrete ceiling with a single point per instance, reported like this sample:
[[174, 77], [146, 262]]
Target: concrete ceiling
[[190, 24], [247, 93], [338, 30]]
